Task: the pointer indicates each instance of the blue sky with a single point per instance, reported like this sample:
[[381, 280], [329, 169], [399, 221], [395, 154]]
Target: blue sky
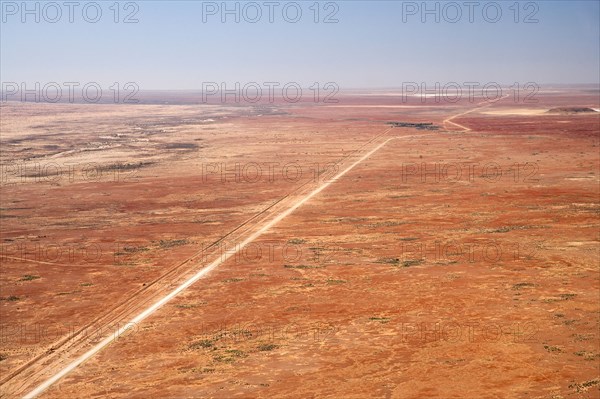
[[370, 45]]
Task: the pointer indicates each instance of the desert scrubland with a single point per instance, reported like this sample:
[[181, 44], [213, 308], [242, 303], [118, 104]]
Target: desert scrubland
[[465, 248]]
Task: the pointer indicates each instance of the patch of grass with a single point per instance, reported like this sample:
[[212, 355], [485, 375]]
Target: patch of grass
[[133, 250], [125, 166], [499, 230], [552, 349], [164, 244], [185, 306], [233, 280], [230, 356], [267, 347], [29, 277], [382, 320], [412, 262], [333, 281], [202, 344], [418, 126], [296, 241], [585, 385], [68, 293], [12, 298], [129, 250], [388, 223], [86, 284], [518, 286], [587, 355], [566, 297], [303, 266], [561, 297], [582, 337]]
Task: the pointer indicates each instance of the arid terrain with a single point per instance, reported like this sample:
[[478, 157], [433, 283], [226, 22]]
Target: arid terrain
[[369, 248]]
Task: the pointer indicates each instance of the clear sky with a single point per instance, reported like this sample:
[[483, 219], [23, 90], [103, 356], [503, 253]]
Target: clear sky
[[373, 44]]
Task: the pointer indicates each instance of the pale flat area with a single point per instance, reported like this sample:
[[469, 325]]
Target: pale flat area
[[517, 111]]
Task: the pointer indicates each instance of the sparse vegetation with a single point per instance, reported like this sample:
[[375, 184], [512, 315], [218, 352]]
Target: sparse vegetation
[[132, 250], [29, 277], [418, 126], [552, 349], [124, 166], [303, 266], [229, 356], [585, 385], [408, 239], [518, 286], [566, 297], [412, 262], [586, 355], [267, 347], [68, 293], [582, 337], [185, 306], [164, 244], [382, 320], [233, 280], [202, 344], [296, 241]]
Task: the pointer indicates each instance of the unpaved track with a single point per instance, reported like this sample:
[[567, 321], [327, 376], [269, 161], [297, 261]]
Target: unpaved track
[[53, 362], [486, 103], [55, 355]]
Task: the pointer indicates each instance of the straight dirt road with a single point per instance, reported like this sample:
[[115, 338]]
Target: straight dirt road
[[200, 274]]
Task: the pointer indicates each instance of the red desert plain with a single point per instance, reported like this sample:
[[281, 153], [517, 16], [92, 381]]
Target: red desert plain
[[374, 247]]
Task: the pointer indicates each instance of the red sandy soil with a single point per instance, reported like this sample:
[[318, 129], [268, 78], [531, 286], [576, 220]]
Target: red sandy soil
[[389, 283]]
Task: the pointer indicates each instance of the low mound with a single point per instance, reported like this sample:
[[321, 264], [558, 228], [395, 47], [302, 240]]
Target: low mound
[[572, 110]]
